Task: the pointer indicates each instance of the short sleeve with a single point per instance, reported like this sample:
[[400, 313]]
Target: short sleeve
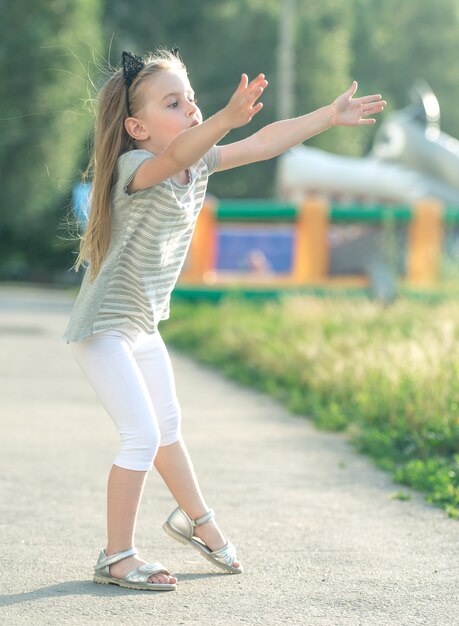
[[212, 159], [127, 165]]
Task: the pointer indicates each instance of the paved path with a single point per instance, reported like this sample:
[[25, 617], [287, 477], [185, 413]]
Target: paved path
[[322, 540]]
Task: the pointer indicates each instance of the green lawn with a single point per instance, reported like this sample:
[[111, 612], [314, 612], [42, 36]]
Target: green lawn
[[389, 377]]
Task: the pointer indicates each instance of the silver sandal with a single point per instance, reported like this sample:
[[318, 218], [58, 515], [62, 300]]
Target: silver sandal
[[180, 526], [136, 579]]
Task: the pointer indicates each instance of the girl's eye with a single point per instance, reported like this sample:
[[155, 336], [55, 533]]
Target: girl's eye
[[175, 104]]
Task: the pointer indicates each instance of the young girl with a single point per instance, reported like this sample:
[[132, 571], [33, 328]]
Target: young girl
[[153, 154]]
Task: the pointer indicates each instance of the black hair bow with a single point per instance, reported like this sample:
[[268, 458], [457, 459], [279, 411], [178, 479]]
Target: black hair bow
[[132, 64]]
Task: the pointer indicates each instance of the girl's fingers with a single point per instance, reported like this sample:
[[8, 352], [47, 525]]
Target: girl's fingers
[[375, 108], [369, 121], [257, 79], [250, 92], [243, 82], [255, 93], [258, 82], [353, 88], [251, 96], [372, 98], [255, 109]]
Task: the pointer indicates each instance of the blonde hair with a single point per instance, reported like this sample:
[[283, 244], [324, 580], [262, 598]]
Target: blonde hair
[[110, 141]]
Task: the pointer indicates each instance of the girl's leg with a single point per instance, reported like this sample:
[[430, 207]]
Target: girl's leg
[[124, 492], [176, 469], [172, 459], [107, 361]]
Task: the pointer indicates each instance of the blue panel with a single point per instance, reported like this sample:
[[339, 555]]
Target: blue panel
[[257, 248]]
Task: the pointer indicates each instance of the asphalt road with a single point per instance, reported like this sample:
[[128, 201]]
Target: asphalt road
[[321, 537]]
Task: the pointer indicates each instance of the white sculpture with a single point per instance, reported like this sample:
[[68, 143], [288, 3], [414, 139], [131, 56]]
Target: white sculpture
[[411, 159]]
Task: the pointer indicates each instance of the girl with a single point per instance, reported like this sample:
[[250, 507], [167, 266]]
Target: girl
[[153, 154]]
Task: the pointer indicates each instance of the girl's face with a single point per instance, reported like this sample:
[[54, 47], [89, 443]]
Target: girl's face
[[170, 108]]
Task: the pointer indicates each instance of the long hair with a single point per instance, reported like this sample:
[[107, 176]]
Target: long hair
[[110, 141]]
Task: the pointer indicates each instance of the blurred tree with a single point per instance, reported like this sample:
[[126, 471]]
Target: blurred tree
[[45, 50], [324, 59], [394, 43]]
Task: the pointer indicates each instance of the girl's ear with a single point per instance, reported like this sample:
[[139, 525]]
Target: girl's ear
[[135, 128]]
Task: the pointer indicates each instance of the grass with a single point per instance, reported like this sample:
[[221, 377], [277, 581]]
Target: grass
[[388, 377]]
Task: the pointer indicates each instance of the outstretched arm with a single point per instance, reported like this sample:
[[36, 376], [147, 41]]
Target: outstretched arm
[[191, 144], [278, 137]]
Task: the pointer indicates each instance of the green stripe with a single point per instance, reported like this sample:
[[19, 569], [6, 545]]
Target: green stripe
[[451, 215], [255, 210], [216, 293], [371, 213], [268, 211]]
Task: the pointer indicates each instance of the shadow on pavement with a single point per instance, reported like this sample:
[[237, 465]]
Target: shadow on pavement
[[88, 588]]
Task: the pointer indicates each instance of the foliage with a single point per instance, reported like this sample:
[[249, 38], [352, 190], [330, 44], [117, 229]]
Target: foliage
[[324, 29], [395, 43], [386, 376], [44, 49]]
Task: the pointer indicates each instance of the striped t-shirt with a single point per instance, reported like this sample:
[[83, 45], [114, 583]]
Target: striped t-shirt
[[151, 232]]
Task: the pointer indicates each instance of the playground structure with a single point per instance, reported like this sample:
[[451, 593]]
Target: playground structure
[[410, 159], [311, 262]]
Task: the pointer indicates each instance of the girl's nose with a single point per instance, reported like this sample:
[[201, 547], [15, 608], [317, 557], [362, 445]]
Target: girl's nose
[[192, 109]]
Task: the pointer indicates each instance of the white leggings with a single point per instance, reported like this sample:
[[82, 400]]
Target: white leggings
[[131, 373]]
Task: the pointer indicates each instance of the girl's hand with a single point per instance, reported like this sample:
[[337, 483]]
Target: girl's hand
[[241, 107], [349, 112]]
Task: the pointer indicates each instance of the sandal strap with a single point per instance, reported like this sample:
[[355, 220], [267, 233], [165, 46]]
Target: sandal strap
[[182, 523], [205, 518], [105, 560], [227, 554], [142, 573]]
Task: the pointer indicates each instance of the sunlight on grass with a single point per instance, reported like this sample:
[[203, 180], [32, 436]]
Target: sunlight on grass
[[388, 376]]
